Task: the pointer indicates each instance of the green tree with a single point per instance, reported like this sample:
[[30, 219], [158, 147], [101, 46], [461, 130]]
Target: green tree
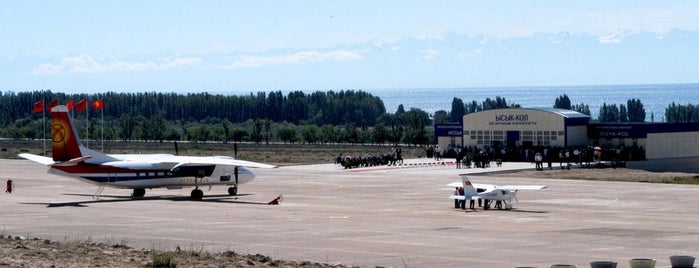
[[562, 102], [239, 134], [636, 112], [677, 113], [458, 110], [608, 113], [441, 117], [380, 134], [127, 124], [623, 114], [330, 133], [581, 108], [311, 134], [287, 133]]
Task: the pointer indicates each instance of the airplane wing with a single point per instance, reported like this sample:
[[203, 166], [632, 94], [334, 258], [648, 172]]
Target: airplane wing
[[455, 184], [475, 185], [461, 197], [522, 187], [173, 162], [486, 187], [219, 160], [39, 159]]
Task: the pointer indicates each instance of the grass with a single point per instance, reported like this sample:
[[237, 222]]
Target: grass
[[682, 180], [277, 153], [162, 259]]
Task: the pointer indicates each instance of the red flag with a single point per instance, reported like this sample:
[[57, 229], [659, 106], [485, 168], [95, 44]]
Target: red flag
[[98, 105], [69, 105], [38, 106], [52, 104], [81, 105]]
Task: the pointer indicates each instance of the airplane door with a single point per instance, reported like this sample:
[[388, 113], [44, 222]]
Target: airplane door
[[227, 174], [112, 178]]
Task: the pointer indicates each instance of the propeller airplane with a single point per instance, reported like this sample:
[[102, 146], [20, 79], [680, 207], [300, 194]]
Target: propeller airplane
[[138, 171]]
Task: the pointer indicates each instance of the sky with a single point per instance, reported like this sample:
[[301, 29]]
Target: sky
[[249, 46]]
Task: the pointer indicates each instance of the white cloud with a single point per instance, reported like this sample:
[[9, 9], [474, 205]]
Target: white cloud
[[430, 54], [467, 54], [614, 38], [87, 64], [299, 57]]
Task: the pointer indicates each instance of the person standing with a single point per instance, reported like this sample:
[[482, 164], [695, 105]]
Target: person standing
[[10, 185]]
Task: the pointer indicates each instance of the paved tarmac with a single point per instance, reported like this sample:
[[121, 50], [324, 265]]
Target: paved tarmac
[[395, 217]]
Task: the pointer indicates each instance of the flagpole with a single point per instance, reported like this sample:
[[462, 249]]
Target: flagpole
[[87, 126], [43, 122], [102, 110]]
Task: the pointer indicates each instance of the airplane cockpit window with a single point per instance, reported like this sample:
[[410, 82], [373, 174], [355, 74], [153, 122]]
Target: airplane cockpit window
[[480, 190]]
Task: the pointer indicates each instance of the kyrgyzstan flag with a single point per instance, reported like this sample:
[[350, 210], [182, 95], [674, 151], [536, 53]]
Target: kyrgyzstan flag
[[52, 104], [38, 106], [98, 105], [69, 105], [81, 105]]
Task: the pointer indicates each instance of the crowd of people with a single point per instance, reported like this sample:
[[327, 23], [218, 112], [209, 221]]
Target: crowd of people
[[395, 157], [481, 157]]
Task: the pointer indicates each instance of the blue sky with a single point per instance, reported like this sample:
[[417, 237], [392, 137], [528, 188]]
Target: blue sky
[[249, 46]]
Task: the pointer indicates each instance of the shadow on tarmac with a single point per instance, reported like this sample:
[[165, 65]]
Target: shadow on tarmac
[[117, 198], [503, 210]]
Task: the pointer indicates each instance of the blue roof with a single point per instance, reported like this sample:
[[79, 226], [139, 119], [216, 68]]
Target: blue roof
[[562, 112]]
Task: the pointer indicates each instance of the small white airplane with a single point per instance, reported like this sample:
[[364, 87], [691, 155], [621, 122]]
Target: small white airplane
[[487, 192], [137, 171]]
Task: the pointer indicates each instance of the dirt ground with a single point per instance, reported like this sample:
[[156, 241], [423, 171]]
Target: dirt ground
[[36, 252]]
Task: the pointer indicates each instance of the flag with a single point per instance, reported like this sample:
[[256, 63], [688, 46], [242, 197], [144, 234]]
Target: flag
[[38, 106], [98, 105], [52, 104], [81, 105], [69, 105]]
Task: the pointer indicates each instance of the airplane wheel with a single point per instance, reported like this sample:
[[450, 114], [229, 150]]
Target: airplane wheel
[[139, 193], [197, 194], [232, 190]]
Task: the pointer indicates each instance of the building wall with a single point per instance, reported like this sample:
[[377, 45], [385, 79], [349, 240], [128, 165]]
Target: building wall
[[577, 135], [674, 144], [537, 127], [446, 141]]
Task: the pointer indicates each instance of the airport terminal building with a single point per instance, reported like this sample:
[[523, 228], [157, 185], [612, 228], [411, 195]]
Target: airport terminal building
[[526, 127], [550, 127]]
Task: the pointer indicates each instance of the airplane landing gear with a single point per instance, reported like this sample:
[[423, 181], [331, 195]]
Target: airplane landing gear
[[197, 194], [138, 193], [233, 190]]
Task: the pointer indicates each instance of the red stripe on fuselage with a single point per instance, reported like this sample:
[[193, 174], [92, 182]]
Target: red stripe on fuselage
[[84, 168]]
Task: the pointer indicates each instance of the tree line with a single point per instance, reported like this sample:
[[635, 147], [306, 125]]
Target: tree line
[[633, 111], [318, 108], [320, 117], [343, 116]]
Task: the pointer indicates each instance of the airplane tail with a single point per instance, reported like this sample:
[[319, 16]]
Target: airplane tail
[[67, 145], [469, 190]]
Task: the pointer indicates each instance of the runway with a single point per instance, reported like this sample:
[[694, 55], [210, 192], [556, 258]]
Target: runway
[[395, 217]]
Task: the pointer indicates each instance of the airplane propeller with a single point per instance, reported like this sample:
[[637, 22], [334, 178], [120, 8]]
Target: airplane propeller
[[235, 156], [235, 172]]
